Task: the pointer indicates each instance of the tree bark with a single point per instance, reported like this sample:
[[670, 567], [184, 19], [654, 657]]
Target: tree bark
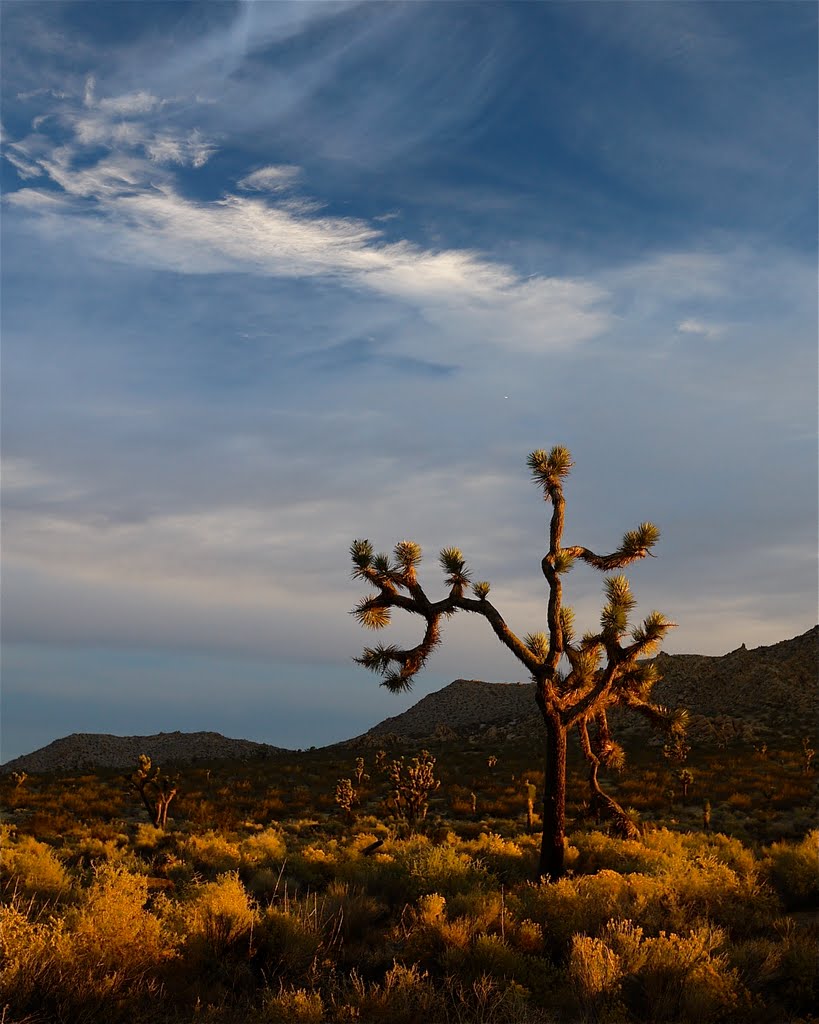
[[554, 801]]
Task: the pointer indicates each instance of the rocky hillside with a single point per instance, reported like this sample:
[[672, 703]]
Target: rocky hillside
[[770, 689], [762, 692], [85, 750]]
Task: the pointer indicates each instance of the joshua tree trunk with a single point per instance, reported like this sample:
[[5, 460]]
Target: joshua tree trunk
[[554, 800]]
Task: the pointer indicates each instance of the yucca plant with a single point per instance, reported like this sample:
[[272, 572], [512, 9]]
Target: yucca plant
[[606, 667], [155, 789]]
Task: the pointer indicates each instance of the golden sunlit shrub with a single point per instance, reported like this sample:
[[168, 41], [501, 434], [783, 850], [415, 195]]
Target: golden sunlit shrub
[[508, 860], [597, 852], [487, 908], [220, 916], [104, 954], [264, 849], [666, 978], [294, 1006], [211, 852], [407, 995], [596, 976], [27, 958], [740, 801], [441, 869], [487, 955], [793, 868], [584, 905], [31, 867]]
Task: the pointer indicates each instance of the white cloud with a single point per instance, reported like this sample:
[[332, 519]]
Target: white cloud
[[189, 150], [129, 104], [275, 178], [24, 167], [706, 330]]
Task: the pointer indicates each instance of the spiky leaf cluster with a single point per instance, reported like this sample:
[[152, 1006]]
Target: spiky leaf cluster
[[563, 561], [651, 632], [454, 566], [538, 644], [378, 659], [481, 589], [372, 614], [549, 468], [567, 624], [408, 554], [637, 543], [614, 617]]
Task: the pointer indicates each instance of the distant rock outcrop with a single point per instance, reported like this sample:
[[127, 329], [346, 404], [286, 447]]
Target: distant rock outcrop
[[769, 688], [86, 750]]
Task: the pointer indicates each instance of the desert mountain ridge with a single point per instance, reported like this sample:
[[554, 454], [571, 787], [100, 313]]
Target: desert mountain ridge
[[768, 690], [89, 750]]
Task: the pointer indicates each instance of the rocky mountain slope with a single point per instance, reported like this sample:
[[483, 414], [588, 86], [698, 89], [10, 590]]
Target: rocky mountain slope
[[85, 750], [770, 689], [766, 691]]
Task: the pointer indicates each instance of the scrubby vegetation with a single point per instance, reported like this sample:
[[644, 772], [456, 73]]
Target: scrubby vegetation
[[266, 898]]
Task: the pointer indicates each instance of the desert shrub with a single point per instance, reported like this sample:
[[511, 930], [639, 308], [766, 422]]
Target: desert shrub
[[219, 917], [287, 945], [27, 958], [211, 853], [598, 852], [263, 849], [354, 909], [31, 867], [294, 1006], [584, 905], [707, 889], [405, 996], [95, 963], [783, 970], [291, 936], [510, 861], [314, 866], [90, 851], [665, 978], [441, 869], [486, 1000], [793, 868], [487, 955]]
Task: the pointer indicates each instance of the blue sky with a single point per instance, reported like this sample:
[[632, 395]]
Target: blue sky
[[281, 275]]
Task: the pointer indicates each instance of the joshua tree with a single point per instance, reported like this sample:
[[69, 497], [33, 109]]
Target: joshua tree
[[411, 786], [156, 790], [576, 681], [346, 797]]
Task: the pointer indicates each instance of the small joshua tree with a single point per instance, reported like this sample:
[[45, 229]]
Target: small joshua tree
[[603, 670], [18, 778], [346, 797], [808, 754], [156, 790], [411, 786], [685, 777], [359, 772]]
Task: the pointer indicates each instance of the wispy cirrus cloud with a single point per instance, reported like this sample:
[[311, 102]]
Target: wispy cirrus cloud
[[140, 214], [275, 178], [706, 330]]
